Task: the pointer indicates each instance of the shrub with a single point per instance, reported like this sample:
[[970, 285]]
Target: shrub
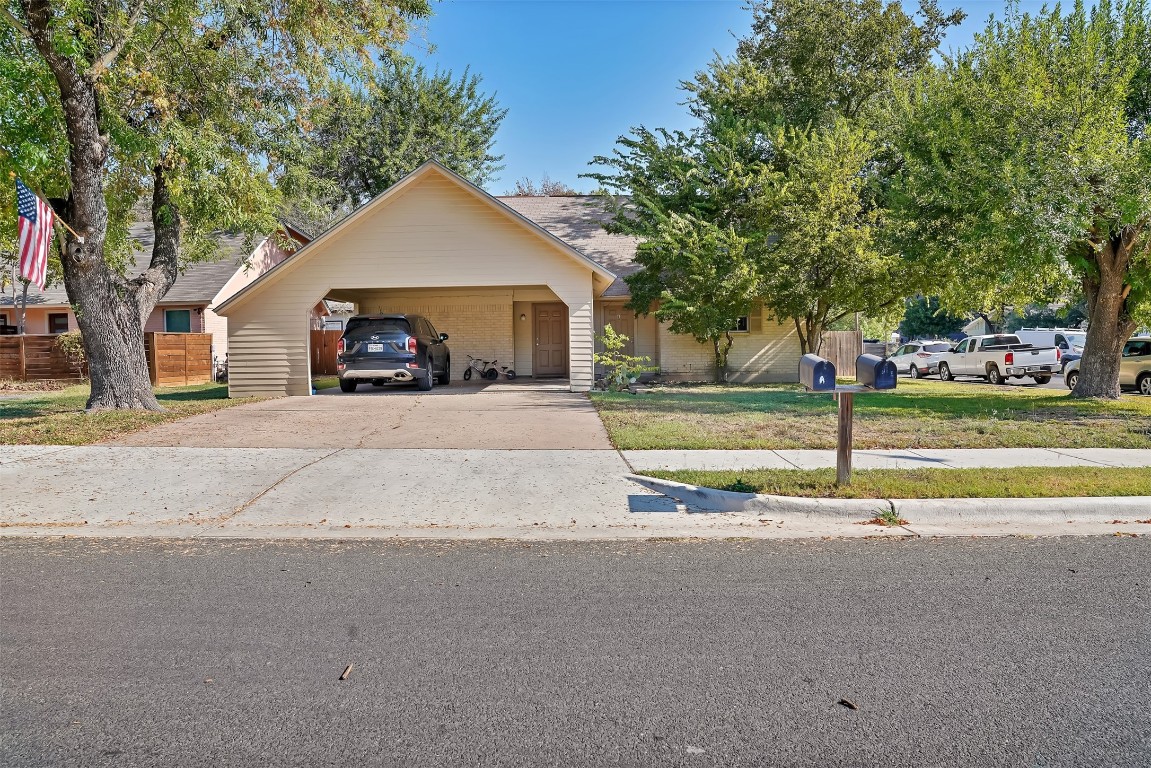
[[622, 370]]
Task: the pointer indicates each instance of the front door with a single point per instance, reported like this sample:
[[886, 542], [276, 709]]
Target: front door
[[551, 336]]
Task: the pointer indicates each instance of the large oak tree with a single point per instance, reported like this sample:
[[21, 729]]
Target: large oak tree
[[1028, 165], [182, 104]]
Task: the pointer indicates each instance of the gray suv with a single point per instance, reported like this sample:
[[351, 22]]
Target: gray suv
[[383, 348]]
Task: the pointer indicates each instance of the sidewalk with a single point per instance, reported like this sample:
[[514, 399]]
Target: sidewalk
[[959, 458], [414, 493]]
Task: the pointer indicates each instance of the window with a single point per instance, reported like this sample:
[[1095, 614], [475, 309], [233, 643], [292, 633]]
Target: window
[[938, 347], [906, 348], [1137, 349], [58, 322], [178, 320], [1060, 341], [741, 325]]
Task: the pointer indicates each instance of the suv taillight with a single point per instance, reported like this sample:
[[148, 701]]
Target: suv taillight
[[1009, 358], [340, 347], [412, 344]]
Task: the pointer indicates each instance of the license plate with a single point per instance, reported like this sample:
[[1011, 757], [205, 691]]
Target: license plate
[[375, 347], [1036, 368]]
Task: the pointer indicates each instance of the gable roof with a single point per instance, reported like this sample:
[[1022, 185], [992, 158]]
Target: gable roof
[[198, 283], [578, 220], [599, 271]]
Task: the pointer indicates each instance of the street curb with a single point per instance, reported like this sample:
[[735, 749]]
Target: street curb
[[714, 500], [1081, 508], [1065, 509]]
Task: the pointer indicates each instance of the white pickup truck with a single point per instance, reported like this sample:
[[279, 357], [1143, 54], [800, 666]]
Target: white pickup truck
[[997, 357]]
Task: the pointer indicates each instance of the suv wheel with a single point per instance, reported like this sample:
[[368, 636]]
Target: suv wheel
[[914, 372], [1071, 379], [348, 385], [427, 382], [1144, 384], [446, 376]]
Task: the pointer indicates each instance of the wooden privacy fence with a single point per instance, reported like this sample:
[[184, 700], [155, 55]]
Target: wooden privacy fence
[[37, 358], [323, 345], [841, 348], [178, 359]]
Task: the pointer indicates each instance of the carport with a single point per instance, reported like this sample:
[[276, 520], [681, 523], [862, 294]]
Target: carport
[[499, 285]]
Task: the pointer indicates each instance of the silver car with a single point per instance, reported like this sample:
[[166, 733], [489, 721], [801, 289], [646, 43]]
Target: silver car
[[919, 358], [1134, 368]]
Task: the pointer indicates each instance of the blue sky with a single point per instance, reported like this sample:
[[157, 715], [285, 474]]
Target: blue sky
[[576, 74]]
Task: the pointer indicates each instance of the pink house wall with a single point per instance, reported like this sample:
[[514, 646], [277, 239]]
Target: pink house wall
[[36, 320], [156, 319]]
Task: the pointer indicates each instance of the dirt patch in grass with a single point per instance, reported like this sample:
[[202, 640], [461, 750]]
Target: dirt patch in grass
[[920, 414], [48, 385], [58, 418], [1015, 482]]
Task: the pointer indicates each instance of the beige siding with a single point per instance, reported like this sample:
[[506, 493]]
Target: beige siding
[[266, 256], [524, 346], [768, 353], [430, 234]]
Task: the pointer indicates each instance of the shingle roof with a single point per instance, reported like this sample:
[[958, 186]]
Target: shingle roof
[[578, 221], [197, 284]]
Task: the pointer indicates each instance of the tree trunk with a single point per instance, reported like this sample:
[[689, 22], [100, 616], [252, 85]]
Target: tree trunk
[[810, 332], [110, 310], [721, 346], [1109, 321], [23, 308], [114, 311]]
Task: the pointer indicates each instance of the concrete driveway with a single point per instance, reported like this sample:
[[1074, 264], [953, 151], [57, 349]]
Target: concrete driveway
[[525, 414]]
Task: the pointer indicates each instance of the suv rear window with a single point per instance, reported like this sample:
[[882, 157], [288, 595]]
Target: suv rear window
[[936, 347], [360, 325]]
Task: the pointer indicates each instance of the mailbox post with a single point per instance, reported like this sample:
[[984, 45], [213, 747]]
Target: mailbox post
[[873, 374]]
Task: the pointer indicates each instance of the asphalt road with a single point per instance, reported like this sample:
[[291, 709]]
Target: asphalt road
[[1002, 652]]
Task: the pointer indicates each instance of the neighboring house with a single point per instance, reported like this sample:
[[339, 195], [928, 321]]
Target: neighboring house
[[526, 280], [186, 308]]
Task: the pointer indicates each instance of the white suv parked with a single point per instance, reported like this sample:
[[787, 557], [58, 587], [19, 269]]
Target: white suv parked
[[919, 358]]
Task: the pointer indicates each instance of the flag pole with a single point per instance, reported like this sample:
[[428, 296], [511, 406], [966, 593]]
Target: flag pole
[[77, 235]]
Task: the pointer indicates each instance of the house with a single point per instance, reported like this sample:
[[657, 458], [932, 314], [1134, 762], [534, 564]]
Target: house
[[186, 307], [526, 280]]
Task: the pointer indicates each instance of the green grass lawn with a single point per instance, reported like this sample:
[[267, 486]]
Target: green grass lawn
[[919, 414], [58, 417], [1017, 482]]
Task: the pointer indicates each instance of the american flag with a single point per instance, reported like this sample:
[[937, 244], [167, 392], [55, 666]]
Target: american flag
[[35, 234]]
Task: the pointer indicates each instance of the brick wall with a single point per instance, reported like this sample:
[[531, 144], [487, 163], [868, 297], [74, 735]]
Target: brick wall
[[769, 352], [474, 326]]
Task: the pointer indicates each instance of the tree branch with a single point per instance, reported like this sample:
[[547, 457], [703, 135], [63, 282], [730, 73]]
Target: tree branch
[[102, 64], [15, 22]]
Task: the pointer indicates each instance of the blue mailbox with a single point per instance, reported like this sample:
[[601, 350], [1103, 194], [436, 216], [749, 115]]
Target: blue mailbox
[[875, 372], [816, 373]]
